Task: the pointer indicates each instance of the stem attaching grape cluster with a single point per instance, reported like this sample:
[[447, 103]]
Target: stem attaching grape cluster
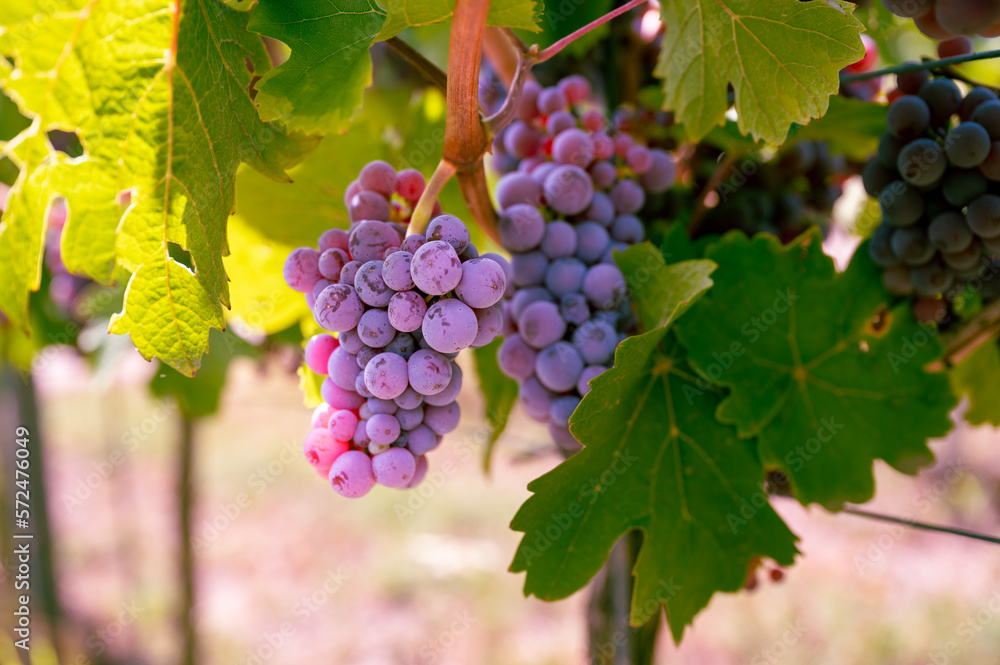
[[402, 306]]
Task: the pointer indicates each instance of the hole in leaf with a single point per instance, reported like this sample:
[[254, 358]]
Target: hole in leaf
[[181, 255], [8, 173], [12, 122], [66, 142]]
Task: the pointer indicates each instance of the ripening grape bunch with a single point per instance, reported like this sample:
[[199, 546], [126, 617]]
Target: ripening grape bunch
[[569, 197], [945, 19], [937, 178], [402, 307]]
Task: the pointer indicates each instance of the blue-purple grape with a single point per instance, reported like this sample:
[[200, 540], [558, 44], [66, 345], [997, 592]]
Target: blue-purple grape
[[541, 324], [449, 326], [521, 227], [483, 283], [351, 474], [375, 329], [338, 308], [565, 276], [516, 358], [396, 271], [436, 268], [568, 190], [406, 311], [451, 230], [429, 372], [301, 269], [442, 419], [386, 375], [529, 268], [559, 240]]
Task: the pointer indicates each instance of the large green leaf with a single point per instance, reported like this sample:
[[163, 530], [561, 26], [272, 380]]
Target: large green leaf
[[782, 58], [978, 378], [319, 89], [652, 283], [820, 370], [405, 14], [170, 123], [654, 460]]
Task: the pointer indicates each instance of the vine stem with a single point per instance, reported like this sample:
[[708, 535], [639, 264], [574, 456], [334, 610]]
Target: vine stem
[[573, 36], [922, 525], [979, 330], [421, 216], [501, 54], [710, 186], [917, 66], [420, 63]]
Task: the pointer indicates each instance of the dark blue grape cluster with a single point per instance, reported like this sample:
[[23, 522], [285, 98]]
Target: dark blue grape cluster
[[569, 197]]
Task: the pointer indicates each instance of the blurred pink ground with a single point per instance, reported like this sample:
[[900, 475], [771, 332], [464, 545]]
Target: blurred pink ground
[[290, 573]]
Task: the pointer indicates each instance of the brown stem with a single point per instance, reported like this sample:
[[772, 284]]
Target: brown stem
[[465, 139], [425, 206], [505, 115], [420, 63], [712, 184], [477, 197], [978, 331], [572, 37]]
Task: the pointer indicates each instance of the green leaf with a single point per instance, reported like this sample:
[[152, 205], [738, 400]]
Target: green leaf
[[560, 19], [819, 369], [652, 282], [851, 127], [782, 58], [656, 461], [978, 379], [170, 123], [319, 89], [199, 396], [499, 392], [404, 14]]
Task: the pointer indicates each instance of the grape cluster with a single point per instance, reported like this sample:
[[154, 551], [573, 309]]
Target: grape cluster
[[568, 199], [937, 177], [402, 306], [944, 19], [783, 196]]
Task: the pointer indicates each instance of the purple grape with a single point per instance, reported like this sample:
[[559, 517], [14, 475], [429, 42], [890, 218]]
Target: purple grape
[[604, 286], [588, 374], [558, 367], [451, 391], [576, 88], [376, 405], [483, 283], [451, 230], [521, 140], [983, 216], [366, 355], [551, 100], [331, 262], [573, 307], [361, 434], [502, 262], [318, 288], [359, 384], [429, 372], [563, 438], [568, 190], [541, 324], [343, 368], [321, 416], [987, 115], [660, 176], [409, 399], [948, 232], [604, 146], [301, 269], [604, 174], [449, 326], [402, 344], [442, 419], [378, 176], [560, 121], [639, 158], [396, 271], [596, 342], [412, 243], [352, 190], [349, 272], [490, 323], [529, 268], [318, 350], [609, 252], [601, 209], [536, 399], [422, 440], [515, 188], [521, 227], [410, 184], [351, 474], [368, 206], [436, 268], [967, 145], [565, 276], [628, 229], [539, 174], [591, 241], [559, 240], [382, 428], [525, 297], [338, 398], [338, 308], [386, 375], [342, 425], [350, 342], [562, 409], [370, 239], [573, 146], [370, 285], [470, 253], [375, 329], [395, 468], [410, 418], [628, 197], [406, 311]]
